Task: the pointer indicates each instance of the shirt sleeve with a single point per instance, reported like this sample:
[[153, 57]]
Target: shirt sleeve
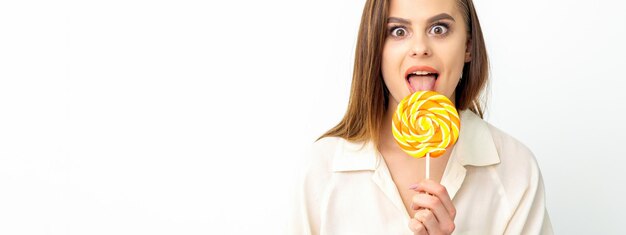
[[531, 215], [303, 212], [313, 177]]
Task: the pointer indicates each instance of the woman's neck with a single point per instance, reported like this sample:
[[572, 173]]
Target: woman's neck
[[386, 135]]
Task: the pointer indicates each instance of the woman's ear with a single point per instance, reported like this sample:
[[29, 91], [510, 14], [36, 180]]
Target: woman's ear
[[468, 54]]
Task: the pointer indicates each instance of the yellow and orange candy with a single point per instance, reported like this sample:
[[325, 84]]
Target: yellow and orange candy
[[426, 122]]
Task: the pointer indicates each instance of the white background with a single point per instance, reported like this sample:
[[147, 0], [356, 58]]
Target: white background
[[190, 117]]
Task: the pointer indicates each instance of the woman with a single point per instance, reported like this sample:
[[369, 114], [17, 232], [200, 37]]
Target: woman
[[358, 181]]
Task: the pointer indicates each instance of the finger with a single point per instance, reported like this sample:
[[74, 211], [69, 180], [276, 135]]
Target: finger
[[432, 203], [417, 227], [439, 191], [427, 218]]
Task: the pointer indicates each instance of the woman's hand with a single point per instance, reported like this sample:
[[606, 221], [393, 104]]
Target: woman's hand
[[434, 211]]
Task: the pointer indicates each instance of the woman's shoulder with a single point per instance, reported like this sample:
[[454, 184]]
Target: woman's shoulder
[[488, 144], [505, 142], [326, 144], [323, 149], [336, 154], [516, 158], [319, 157]]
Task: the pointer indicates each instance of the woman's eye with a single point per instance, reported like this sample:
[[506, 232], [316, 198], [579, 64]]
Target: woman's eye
[[439, 29], [398, 32]]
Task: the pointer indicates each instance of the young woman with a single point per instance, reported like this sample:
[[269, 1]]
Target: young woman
[[358, 180]]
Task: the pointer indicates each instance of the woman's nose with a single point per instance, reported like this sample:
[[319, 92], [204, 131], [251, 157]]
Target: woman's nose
[[420, 47]]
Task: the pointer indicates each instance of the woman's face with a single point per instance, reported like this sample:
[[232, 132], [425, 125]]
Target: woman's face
[[425, 47]]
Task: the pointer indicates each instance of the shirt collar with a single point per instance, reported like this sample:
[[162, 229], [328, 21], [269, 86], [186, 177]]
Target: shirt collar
[[474, 147]]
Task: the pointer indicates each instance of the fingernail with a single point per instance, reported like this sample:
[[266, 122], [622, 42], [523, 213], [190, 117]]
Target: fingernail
[[413, 186]]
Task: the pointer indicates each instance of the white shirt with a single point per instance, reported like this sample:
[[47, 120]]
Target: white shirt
[[493, 180]]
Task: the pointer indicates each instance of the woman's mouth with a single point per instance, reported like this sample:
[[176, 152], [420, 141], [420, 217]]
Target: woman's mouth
[[421, 78]]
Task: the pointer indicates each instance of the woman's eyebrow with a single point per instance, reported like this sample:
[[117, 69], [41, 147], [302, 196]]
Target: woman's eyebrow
[[398, 20], [430, 20], [441, 17]]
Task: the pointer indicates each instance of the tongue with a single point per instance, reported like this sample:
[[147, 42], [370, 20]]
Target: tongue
[[422, 82]]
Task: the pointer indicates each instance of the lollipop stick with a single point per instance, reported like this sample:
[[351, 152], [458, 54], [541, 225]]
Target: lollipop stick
[[427, 165]]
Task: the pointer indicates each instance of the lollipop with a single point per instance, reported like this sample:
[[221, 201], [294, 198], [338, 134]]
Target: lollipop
[[425, 124]]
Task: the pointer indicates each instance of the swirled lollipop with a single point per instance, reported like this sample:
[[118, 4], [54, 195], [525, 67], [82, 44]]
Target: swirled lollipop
[[425, 124]]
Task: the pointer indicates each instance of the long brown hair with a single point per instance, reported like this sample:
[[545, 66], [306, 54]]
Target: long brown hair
[[369, 94]]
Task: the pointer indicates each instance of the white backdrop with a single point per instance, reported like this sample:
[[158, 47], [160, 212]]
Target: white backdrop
[[190, 117]]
